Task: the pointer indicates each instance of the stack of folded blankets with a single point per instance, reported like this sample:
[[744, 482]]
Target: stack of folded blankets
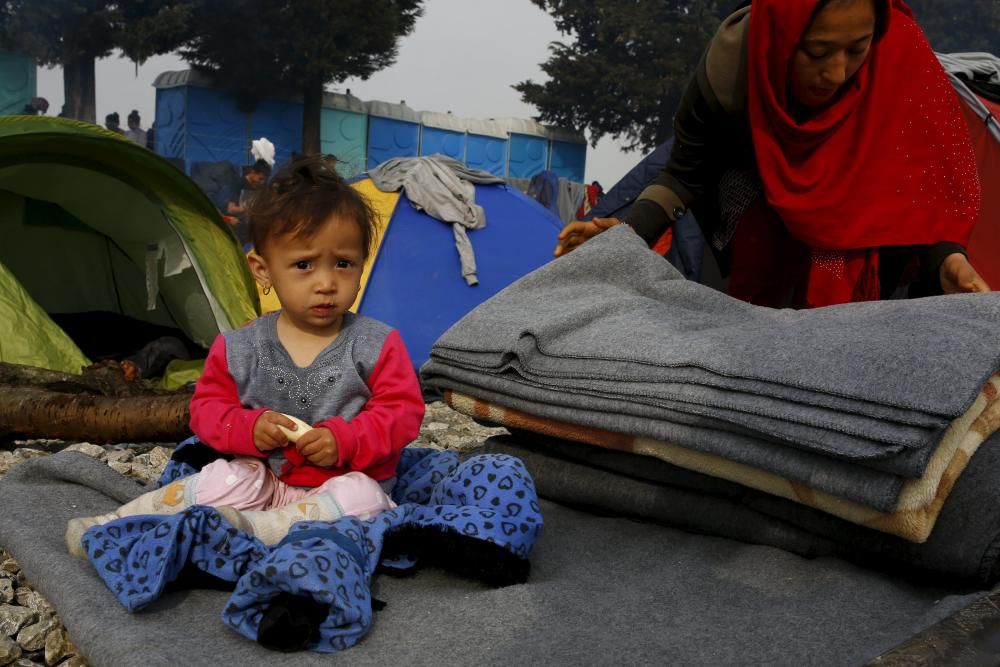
[[867, 412]]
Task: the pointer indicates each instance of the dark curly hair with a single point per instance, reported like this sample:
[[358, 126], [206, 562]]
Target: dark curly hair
[[301, 196]]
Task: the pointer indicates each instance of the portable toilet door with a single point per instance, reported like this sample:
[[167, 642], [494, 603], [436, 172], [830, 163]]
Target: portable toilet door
[[393, 131], [486, 146], [281, 123], [196, 122], [17, 82], [344, 132], [442, 134], [567, 154], [528, 150]]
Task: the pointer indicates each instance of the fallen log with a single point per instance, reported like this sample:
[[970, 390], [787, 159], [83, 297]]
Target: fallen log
[[107, 378], [33, 412]]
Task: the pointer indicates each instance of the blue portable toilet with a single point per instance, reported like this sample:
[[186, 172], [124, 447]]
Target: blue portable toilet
[[344, 132], [17, 82], [486, 146], [198, 123], [528, 150], [567, 153], [442, 134], [393, 131], [281, 122]]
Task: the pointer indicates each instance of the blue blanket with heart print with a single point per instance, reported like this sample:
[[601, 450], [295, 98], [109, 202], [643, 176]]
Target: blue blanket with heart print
[[479, 517]]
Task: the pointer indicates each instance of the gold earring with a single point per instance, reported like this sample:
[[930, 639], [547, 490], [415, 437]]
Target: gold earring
[[267, 290]]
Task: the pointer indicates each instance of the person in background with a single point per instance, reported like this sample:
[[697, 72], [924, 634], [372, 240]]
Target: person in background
[[151, 137], [37, 106], [113, 122], [135, 131], [811, 174], [239, 194], [347, 375]]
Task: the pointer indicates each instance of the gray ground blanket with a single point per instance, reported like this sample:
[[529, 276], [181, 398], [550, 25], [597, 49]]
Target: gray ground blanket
[[602, 591], [964, 547], [869, 383]]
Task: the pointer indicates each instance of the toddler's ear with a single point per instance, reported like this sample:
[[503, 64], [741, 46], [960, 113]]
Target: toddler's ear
[[258, 267]]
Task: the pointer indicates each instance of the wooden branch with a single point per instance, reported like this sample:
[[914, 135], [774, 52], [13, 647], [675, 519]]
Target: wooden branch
[[107, 378], [34, 412]]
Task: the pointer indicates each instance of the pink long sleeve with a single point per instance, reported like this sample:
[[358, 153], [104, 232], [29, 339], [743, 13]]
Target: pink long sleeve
[[217, 417]]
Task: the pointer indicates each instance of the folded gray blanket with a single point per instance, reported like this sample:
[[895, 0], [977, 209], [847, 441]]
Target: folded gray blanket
[[614, 331], [861, 484], [602, 590], [964, 547]]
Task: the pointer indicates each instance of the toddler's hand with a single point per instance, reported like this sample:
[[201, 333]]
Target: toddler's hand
[[319, 447], [267, 435]]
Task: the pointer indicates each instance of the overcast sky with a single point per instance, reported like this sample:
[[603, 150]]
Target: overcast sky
[[463, 56]]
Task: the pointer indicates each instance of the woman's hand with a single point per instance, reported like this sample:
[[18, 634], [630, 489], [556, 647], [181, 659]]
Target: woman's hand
[[957, 276], [577, 232]]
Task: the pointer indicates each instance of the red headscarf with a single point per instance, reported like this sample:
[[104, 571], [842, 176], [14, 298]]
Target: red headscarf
[[889, 162]]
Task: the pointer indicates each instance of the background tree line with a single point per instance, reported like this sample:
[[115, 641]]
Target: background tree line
[[256, 49], [624, 66], [621, 71]]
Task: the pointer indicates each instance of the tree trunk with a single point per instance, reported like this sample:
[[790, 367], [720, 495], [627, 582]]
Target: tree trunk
[[79, 87], [312, 105], [30, 412]]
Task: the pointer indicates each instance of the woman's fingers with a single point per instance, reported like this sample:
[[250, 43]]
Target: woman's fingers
[[976, 284], [575, 233], [958, 275], [572, 228]]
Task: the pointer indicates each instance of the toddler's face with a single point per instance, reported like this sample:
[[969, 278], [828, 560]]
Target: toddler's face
[[317, 278]]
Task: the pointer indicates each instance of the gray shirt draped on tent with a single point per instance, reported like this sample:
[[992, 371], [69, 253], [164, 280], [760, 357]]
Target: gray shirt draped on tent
[[444, 188]]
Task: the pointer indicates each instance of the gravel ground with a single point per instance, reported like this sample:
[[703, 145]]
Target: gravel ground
[[30, 630]]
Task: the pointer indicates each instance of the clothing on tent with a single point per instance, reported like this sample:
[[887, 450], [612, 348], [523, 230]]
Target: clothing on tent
[[443, 187], [591, 196], [569, 195], [544, 188], [984, 66]]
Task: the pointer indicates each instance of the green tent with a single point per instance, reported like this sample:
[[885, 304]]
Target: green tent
[[91, 222]]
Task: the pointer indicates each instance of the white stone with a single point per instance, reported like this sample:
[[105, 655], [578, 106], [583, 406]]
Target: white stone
[[94, 451], [9, 650], [12, 619]]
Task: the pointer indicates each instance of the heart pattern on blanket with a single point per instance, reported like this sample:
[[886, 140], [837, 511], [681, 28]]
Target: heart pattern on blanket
[[323, 569]]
